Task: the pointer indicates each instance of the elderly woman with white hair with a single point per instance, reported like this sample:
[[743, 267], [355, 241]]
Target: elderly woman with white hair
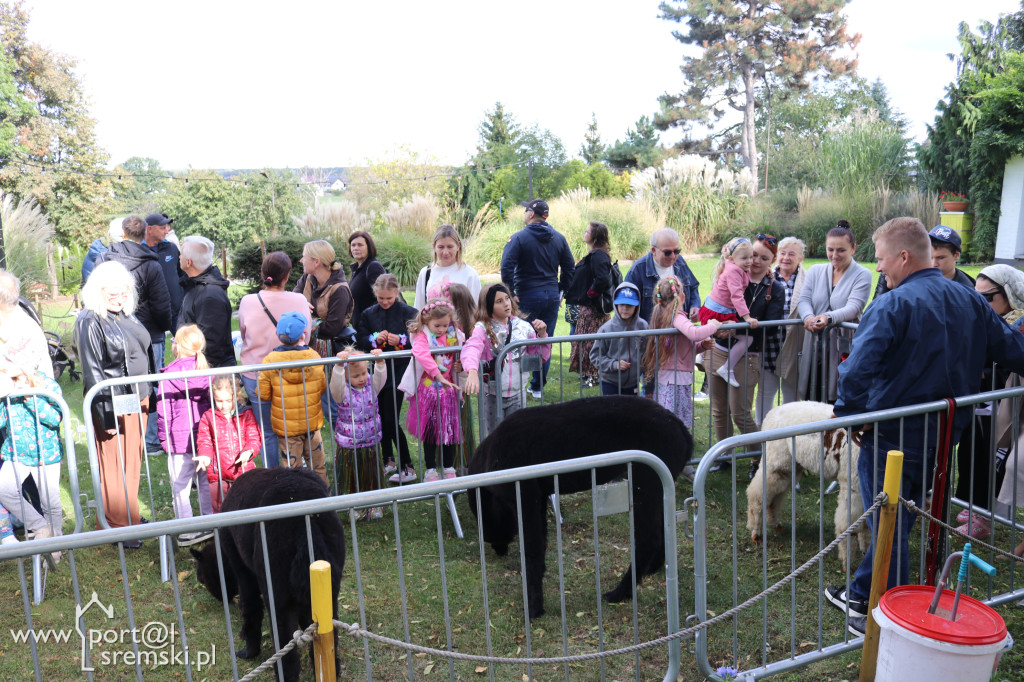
[[205, 303], [790, 271], [112, 344]]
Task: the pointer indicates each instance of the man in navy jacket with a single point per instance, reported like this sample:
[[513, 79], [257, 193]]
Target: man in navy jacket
[[530, 267], [927, 339], [663, 260]]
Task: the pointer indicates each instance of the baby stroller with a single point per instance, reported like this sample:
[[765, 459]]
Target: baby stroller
[[59, 355]]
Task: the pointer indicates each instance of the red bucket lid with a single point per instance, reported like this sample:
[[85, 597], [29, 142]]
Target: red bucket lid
[[976, 623]]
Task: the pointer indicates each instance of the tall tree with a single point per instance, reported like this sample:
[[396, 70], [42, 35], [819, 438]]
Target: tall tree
[[60, 163], [142, 185], [13, 107], [639, 150], [592, 150], [742, 41]]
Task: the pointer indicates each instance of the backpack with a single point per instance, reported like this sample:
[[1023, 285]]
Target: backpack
[[608, 297]]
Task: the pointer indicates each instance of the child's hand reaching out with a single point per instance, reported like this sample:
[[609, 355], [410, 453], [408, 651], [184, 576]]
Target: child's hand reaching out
[[751, 321], [541, 327], [202, 461], [244, 456]]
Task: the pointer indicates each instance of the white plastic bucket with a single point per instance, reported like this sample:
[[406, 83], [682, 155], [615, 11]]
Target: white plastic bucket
[[916, 645]]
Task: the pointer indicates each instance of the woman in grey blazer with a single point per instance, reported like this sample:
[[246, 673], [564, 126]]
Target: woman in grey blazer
[[833, 292]]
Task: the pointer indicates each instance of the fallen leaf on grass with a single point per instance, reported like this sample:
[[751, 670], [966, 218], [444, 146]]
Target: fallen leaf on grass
[[429, 667], [183, 574], [480, 669]]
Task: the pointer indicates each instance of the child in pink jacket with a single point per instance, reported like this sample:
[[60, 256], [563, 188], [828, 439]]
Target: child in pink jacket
[[499, 323], [725, 303]]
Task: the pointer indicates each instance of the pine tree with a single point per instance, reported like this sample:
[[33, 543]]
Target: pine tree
[[743, 41], [592, 151]]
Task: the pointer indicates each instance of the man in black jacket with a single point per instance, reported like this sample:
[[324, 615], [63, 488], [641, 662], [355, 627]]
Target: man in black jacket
[[530, 267], [157, 227], [205, 303]]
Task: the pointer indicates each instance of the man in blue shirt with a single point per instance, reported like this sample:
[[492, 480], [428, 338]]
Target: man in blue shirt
[[911, 348], [662, 261], [530, 267]]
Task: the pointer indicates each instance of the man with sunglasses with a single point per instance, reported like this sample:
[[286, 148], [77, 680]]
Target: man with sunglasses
[[662, 261]]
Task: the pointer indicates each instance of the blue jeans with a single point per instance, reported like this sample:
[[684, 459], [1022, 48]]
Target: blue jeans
[[872, 478], [152, 438], [261, 410], [608, 388], [540, 305]]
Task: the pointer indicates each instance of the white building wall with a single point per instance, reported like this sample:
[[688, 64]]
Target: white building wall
[[1010, 236]]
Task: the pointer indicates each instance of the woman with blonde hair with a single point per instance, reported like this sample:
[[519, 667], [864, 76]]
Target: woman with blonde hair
[[330, 305], [113, 344], [446, 266]]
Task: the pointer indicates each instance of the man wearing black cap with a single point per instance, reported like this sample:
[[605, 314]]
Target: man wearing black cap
[[530, 267], [157, 227]]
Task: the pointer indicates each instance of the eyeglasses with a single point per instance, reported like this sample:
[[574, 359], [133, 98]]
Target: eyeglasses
[[124, 294], [989, 295], [767, 239], [671, 252]]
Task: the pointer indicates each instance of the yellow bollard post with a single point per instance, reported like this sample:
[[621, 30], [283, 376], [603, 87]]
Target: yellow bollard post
[[323, 616], [883, 551]]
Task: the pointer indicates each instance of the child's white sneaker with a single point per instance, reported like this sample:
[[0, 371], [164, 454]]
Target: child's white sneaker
[[390, 468], [728, 376], [9, 540], [430, 476], [449, 472], [405, 476]]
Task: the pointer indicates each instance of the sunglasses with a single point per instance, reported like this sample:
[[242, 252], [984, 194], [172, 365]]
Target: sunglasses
[[767, 239], [989, 295], [671, 252]]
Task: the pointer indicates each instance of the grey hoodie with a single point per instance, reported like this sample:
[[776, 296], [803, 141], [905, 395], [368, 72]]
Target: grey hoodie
[[606, 353]]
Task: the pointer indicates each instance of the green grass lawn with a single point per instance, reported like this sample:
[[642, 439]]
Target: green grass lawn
[[377, 579]]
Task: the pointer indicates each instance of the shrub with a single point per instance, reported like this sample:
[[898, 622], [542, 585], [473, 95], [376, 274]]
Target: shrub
[[692, 195], [334, 221], [402, 254], [418, 214], [862, 154], [629, 225]]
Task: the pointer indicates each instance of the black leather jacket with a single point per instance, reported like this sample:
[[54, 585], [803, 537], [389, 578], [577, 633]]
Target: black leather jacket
[[102, 345]]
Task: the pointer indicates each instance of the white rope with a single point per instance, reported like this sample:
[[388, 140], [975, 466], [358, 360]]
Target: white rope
[[300, 637]]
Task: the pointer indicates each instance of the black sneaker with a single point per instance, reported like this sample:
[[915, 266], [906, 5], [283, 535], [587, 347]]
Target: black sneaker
[[857, 625], [837, 596]]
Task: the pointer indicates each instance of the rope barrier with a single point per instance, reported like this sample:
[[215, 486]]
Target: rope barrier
[[303, 637], [355, 630], [914, 509]]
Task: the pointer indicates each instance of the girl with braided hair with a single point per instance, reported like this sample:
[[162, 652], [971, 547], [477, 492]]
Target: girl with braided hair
[[668, 359]]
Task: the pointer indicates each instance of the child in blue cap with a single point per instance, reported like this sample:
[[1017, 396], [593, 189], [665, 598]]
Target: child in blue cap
[[618, 360], [294, 395]]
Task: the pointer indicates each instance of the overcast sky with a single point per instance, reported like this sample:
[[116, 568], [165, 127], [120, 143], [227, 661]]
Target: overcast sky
[[225, 84]]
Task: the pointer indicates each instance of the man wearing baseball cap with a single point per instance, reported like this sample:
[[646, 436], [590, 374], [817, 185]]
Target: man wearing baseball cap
[[946, 247], [530, 267]]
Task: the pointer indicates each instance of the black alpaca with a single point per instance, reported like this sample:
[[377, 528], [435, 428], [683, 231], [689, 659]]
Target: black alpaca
[[552, 433], [288, 551]]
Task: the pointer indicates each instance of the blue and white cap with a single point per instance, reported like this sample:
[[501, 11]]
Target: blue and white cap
[[946, 235], [627, 294]]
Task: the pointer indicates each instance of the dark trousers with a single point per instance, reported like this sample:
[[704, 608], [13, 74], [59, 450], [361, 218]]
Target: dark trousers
[[872, 477], [390, 401]]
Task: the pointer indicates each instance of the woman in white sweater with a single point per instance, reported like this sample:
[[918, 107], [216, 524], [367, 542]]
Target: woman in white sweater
[[447, 266], [833, 292]]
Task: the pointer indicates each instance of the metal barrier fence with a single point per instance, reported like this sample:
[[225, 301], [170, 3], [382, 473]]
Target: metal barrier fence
[[405, 579], [790, 631]]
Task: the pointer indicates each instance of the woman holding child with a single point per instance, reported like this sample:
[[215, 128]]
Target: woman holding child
[[765, 297]]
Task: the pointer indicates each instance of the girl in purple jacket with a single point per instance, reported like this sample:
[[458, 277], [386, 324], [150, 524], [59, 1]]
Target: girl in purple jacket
[[180, 404]]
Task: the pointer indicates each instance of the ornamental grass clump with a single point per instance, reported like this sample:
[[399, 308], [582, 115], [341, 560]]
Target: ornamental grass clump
[[417, 214], [333, 221], [692, 195]]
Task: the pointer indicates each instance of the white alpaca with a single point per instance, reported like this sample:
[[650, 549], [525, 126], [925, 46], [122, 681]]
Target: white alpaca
[[826, 453]]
